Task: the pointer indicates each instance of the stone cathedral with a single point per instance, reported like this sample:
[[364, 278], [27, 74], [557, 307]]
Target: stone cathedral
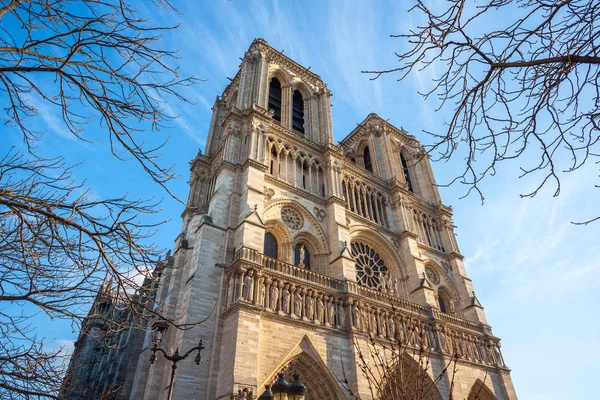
[[300, 250]]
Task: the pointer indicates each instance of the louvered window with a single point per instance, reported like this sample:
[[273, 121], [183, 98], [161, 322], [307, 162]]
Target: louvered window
[[406, 173], [367, 159], [275, 98], [298, 112]]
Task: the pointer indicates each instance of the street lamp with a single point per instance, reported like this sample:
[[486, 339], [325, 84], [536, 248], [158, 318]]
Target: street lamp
[[267, 394], [296, 390], [282, 390], [279, 388], [159, 329]]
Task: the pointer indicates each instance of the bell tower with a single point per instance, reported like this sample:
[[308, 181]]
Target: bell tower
[[293, 249]]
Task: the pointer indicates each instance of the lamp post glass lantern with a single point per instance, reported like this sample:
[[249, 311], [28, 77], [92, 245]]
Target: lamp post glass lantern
[[159, 330], [279, 388], [296, 390], [282, 390]]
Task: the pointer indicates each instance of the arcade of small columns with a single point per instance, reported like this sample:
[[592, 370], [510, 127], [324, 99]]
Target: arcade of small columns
[[295, 167], [365, 200], [346, 306]]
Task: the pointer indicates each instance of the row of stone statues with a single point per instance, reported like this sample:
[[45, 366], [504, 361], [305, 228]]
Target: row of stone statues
[[311, 305]]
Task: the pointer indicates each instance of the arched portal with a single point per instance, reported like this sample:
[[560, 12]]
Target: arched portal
[[409, 381], [317, 380], [479, 391]]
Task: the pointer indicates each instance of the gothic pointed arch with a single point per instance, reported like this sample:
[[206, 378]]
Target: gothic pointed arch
[[364, 152], [304, 360], [408, 380], [273, 212], [282, 236], [392, 258], [444, 279], [480, 391]]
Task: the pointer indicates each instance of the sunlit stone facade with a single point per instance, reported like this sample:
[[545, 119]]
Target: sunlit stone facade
[[298, 247]]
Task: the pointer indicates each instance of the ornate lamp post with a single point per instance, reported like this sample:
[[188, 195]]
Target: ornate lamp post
[[279, 388], [282, 390], [159, 329], [296, 390]]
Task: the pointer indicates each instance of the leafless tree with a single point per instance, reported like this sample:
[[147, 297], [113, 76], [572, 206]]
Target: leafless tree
[[521, 78], [99, 64], [397, 370]]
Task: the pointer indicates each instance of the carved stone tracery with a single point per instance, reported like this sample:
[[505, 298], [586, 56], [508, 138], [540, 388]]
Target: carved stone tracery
[[291, 218]]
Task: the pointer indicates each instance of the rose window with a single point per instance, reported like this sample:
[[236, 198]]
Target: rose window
[[291, 218], [432, 275], [370, 268]]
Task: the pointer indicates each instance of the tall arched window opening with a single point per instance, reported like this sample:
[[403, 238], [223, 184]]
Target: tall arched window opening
[[301, 256], [273, 163], [275, 98], [305, 175], [298, 112], [271, 247], [367, 159], [443, 307], [406, 172]]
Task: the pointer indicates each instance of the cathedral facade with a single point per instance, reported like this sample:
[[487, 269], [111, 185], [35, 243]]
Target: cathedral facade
[[300, 251]]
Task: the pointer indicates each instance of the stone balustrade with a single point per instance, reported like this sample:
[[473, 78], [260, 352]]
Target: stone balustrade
[[292, 292]]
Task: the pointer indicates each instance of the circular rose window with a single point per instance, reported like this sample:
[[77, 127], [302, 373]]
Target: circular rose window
[[432, 275], [370, 268], [291, 218]]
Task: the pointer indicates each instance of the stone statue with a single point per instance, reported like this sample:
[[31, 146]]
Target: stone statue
[[382, 325], [319, 309], [395, 286], [389, 284], [297, 303], [285, 300], [341, 315], [274, 296], [302, 256], [262, 299], [331, 312], [248, 280], [308, 312], [373, 323], [391, 325], [355, 317]]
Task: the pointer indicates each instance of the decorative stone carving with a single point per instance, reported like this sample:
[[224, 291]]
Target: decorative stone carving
[[248, 286], [298, 303], [285, 300], [370, 268], [291, 218], [432, 275], [302, 256], [274, 296], [341, 315], [355, 317], [269, 193], [244, 394], [330, 312], [319, 214], [308, 311]]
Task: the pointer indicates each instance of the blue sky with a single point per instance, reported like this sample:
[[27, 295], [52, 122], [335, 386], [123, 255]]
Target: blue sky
[[537, 275]]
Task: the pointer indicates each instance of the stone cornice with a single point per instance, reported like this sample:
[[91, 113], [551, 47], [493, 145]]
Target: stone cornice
[[277, 56], [336, 200], [368, 177], [368, 222], [254, 164], [357, 132]]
